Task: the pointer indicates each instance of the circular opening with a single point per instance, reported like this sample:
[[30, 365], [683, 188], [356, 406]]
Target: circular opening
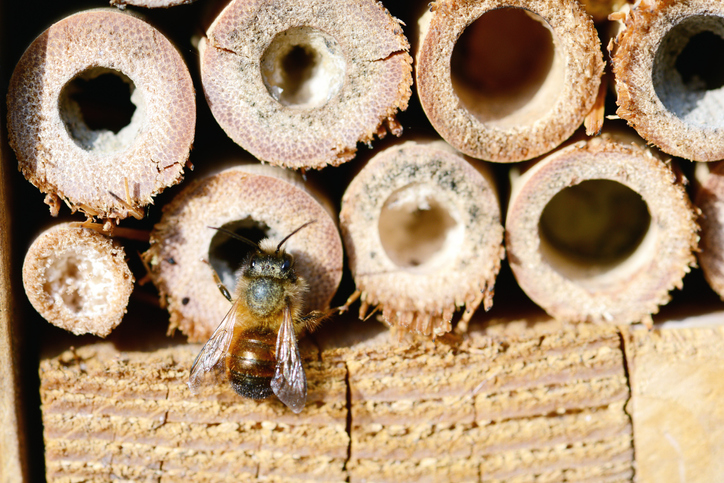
[[416, 228], [227, 254], [99, 107], [505, 69], [688, 72], [79, 281], [303, 67], [593, 228]]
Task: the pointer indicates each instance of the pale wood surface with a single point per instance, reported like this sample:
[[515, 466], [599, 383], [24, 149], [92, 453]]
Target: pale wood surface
[[677, 395]]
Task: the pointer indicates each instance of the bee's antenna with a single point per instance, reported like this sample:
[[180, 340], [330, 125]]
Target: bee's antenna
[[237, 236], [279, 247]]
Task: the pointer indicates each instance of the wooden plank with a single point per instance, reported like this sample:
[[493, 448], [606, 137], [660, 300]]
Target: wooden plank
[[677, 386], [505, 403], [12, 438]]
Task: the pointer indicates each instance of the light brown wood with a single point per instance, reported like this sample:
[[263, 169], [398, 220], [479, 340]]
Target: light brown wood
[[507, 80], [517, 399], [423, 235], [78, 279], [302, 88], [599, 10], [600, 231], [676, 373], [88, 167], [665, 88], [249, 197]]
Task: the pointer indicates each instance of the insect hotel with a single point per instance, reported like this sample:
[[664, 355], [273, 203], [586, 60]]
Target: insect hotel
[[313, 240]]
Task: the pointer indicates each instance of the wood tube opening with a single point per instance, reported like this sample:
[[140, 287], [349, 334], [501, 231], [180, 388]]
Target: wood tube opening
[[594, 232], [303, 67], [668, 63], [303, 89], [102, 110], [256, 202], [78, 279], [507, 80], [688, 71], [422, 230], [417, 229], [600, 231], [227, 254], [101, 113], [505, 69]]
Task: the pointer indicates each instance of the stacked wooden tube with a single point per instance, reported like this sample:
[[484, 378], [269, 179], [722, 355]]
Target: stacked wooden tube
[[300, 87]]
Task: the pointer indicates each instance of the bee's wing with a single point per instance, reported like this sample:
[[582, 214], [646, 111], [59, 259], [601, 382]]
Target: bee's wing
[[290, 382], [214, 349]]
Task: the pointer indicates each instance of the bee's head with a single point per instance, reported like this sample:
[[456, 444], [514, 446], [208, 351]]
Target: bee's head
[[263, 263]]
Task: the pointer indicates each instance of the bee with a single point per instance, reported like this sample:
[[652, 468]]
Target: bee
[[256, 342]]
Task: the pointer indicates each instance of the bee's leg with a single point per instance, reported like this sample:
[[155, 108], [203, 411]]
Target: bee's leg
[[312, 320], [350, 300], [222, 288]]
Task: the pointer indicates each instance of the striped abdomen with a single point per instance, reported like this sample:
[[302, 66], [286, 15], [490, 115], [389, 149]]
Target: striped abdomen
[[250, 362]]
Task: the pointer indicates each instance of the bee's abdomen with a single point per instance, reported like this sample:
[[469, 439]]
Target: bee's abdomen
[[250, 364]]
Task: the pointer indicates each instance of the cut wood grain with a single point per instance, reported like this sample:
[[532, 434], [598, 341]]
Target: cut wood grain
[[506, 402], [677, 389]]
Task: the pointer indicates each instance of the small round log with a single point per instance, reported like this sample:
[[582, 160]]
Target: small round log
[[507, 80], [78, 279], [72, 138], [667, 60], [423, 235], [299, 83], [254, 201], [600, 231], [709, 199]]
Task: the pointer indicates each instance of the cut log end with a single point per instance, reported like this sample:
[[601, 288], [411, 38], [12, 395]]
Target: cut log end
[[100, 101], [256, 202], [600, 231], [78, 279], [308, 87], [423, 235], [508, 84], [669, 76]]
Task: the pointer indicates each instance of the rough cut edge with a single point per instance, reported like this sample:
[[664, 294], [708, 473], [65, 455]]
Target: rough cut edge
[[563, 298], [149, 3], [52, 161], [66, 237], [262, 126], [575, 32], [396, 290], [180, 241], [599, 10], [641, 30]]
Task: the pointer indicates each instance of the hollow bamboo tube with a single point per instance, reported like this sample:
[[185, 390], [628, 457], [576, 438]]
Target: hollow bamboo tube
[[302, 88], [507, 80], [600, 231], [66, 144], [423, 235], [77, 279], [667, 60], [251, 199], [709, 198]]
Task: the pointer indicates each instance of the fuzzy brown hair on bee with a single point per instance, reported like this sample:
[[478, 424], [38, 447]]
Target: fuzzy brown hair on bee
[[256, 342]]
